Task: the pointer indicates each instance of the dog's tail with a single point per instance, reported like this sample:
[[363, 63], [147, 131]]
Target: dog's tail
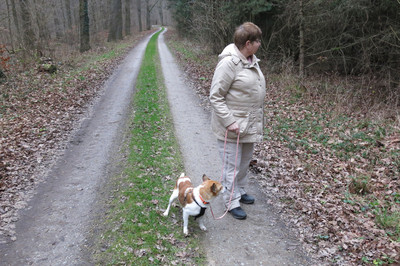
[[182, 175]]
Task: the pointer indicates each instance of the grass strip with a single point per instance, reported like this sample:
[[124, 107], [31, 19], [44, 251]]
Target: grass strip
[[138, 233]]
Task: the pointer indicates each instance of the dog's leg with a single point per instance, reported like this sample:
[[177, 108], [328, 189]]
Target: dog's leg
[[201, 223], [171, 200], [185, 222]]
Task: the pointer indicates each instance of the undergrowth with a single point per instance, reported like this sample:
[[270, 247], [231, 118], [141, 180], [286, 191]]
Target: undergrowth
[[332, 158], [340, 147], [367, 147]]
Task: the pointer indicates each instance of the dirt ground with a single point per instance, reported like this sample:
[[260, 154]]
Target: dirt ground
[[55, 227], [261, 239]]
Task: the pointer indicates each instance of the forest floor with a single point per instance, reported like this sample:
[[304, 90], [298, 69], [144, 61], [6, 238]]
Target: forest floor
[[56, 220], [58, 149], [261, 239], [332, 178], [330, 162]]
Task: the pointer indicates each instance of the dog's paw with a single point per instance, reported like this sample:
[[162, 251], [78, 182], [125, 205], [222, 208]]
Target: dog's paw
[[165, 213], [202, 227], [185, 231]]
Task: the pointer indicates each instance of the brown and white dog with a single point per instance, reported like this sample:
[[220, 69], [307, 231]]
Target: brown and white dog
[[193, 200]]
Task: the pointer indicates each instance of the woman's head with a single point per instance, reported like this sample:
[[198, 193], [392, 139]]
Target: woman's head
[[248, 31]]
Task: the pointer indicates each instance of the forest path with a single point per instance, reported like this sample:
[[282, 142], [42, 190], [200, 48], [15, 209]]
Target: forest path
[[53, 229], [261, 239]]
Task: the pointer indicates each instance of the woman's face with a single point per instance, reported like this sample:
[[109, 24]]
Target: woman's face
[[255, 45], [252, 47]]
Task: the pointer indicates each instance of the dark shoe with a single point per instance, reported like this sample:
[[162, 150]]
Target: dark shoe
[[238, 213], [247, 199]]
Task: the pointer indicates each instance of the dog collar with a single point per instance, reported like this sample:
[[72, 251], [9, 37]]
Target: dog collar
[[202, 209], [204, 202], [190, 190]]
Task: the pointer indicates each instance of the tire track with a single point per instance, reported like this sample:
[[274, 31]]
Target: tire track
[[261, 239]]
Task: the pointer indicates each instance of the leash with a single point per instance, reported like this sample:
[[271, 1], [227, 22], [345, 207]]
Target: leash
[[222, 174]]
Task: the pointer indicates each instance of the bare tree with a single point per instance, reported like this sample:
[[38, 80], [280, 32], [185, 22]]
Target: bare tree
[[149, 8], [115, 32], [161, 12], [28, 33], [57, 20], [41, 22], [148, 11], [301, 39], [139, 10], [9, 26], [48, 26], [68, 14], [103, 16], [15, 16], [84, 26], [128, 17], [96, 13]]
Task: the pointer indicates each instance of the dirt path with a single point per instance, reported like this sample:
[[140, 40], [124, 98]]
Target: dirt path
[[261, 239], [53, 229]]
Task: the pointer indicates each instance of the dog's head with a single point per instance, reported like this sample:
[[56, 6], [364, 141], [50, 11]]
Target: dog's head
[[210, 188]]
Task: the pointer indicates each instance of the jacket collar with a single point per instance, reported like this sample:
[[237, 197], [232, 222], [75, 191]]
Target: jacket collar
[[244, 60], [233, 51]]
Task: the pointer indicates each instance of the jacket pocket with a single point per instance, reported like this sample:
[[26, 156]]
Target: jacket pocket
[[242, 118]]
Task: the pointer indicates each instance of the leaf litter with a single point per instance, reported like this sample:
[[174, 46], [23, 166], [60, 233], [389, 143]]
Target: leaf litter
[[39, 113], [304, 175], [307, 163]]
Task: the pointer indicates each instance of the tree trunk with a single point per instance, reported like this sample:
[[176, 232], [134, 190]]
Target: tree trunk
[[57, 20], [160, 11], [128, 17], [148, 11], [9, 26], [149, 8], [301, 40], [84, 25], [68, 14], [44, 34], [28, 33], [115, 32], [15, 16], [139, 10], [94, 16], [105, 16]]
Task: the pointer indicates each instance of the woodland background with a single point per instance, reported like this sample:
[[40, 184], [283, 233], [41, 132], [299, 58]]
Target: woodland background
[[357, 38], [352, 38], [45, 28]]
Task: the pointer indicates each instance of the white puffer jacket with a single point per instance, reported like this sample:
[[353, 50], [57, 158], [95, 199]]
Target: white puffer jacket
[[237, 94]]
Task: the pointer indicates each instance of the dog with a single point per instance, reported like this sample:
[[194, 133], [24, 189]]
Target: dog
[[194, 201]]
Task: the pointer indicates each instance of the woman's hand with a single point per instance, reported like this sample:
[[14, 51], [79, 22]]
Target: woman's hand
[[234, 127]]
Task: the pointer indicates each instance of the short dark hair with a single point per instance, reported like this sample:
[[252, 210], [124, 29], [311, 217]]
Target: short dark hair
[[248, 31]]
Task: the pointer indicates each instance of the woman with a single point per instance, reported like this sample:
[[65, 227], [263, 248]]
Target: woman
[[237, 96]]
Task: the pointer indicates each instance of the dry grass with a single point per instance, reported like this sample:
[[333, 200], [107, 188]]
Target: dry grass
[[360, 96]]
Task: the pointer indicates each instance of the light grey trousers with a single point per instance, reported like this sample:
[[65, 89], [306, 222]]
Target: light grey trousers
[[245, 153]]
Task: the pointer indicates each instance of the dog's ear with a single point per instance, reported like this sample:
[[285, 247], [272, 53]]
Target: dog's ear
[[214, 188], [205, 178]]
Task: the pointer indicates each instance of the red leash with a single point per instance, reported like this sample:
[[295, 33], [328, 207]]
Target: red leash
[[222, 174]]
